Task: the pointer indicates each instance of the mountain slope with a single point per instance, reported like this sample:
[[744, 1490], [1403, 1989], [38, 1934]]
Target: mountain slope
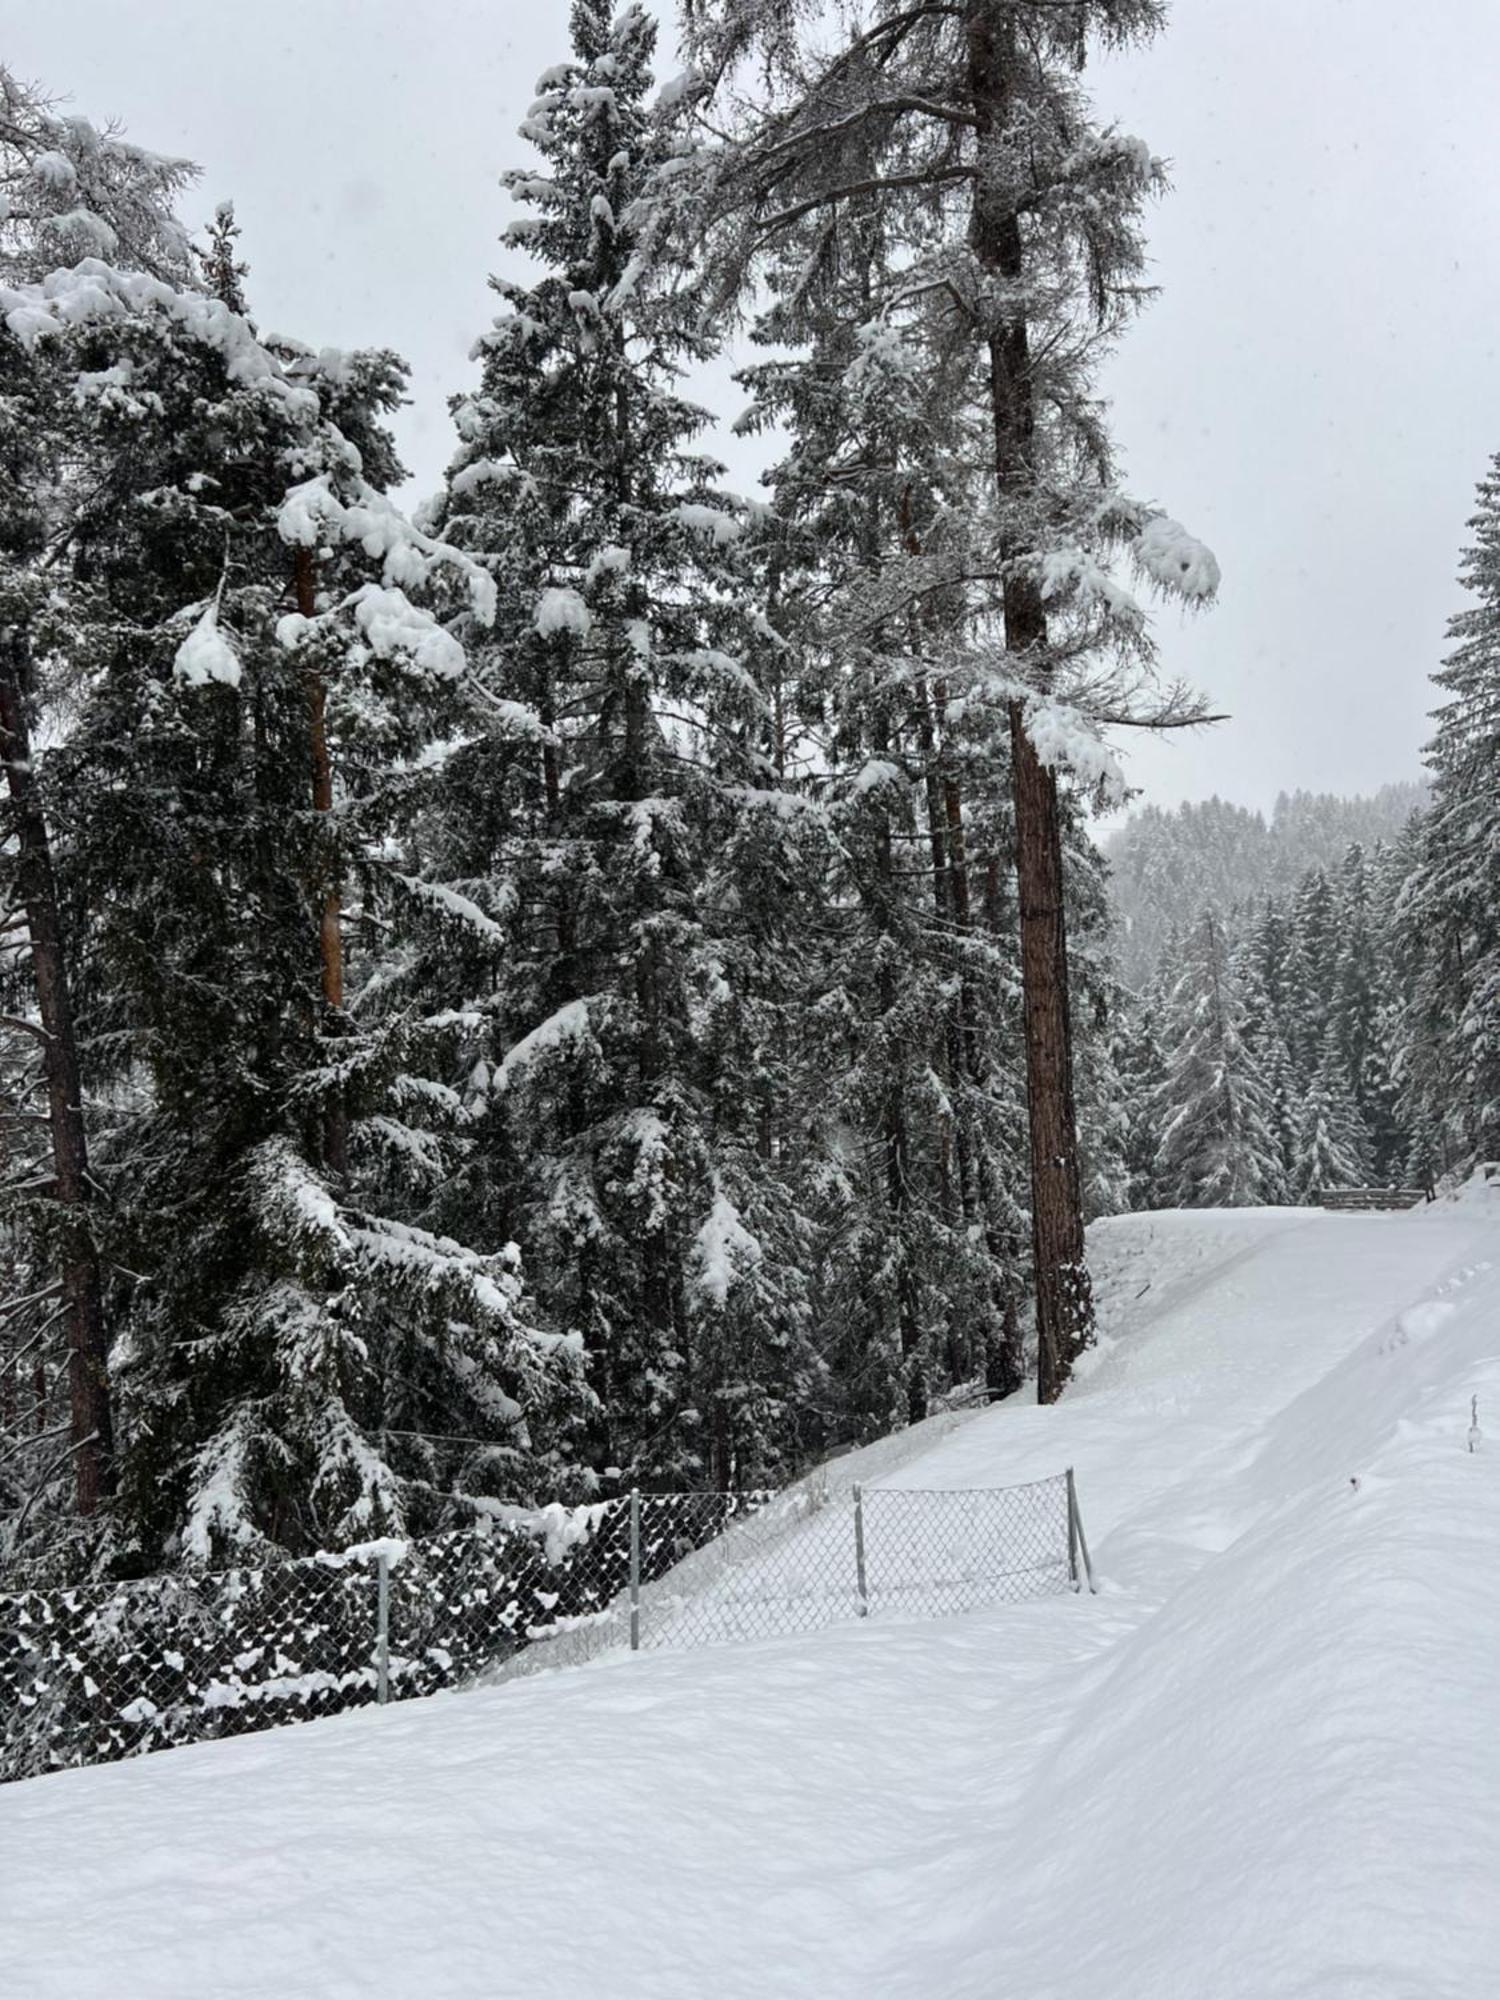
[[1261, 1763]]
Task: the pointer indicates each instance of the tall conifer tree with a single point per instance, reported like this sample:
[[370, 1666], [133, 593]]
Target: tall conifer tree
[[1015, 258], [614, 825], [1450, 913], [1217, 1148]]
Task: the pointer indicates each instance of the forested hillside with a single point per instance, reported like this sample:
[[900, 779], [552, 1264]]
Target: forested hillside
[[1289, 1033], [1167, 867]]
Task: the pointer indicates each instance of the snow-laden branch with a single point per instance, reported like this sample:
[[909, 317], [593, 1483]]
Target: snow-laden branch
[[314, 513]]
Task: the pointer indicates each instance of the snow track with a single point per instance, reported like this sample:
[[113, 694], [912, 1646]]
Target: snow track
[[1260, 1766]]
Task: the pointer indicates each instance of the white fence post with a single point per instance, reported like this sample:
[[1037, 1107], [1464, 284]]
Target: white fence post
[[1077, 1544], [635, 1569], [859, 1551]]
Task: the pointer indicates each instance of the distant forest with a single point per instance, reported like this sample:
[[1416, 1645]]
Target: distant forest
[[1168, 867]]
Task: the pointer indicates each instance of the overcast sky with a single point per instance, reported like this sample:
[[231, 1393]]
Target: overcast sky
[[1315, 392]]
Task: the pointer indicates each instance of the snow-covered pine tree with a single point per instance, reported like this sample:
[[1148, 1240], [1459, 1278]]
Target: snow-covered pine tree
[[1142, 1069], [224, 271], [1326, 1156], [1450, 912], [1014, 258], [1217, 1148], [1309, 970], [614, 821], [66, 190], [1261, 1022], [1360, 1019], [921, 1128], [1284, 1107], [69, 190], [1097, 1003], [276, 1322]]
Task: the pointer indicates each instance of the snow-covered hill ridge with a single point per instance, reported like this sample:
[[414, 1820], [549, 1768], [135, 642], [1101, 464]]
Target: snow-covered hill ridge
[[1262, 1763]]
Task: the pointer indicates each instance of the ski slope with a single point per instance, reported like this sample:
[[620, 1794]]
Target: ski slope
[[1261, 1765]]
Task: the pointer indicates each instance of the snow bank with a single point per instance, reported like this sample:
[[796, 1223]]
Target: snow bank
[[1260, 1766]]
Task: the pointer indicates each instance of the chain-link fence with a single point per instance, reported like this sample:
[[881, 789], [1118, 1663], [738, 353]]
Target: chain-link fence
[[818, 1560], [109, 1670]]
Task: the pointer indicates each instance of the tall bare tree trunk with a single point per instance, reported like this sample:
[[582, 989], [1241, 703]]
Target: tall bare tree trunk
[[89, 1425], [1064, 1302]]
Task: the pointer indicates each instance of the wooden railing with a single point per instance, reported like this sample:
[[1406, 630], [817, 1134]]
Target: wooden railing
[[1371, 1198]]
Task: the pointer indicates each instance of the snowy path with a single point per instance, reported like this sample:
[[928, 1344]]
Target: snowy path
[[1262, 1763]]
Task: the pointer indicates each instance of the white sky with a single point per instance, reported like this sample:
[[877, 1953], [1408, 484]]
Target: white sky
[[1315, 392]]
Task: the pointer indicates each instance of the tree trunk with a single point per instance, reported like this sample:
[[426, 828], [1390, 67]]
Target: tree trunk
[[894, 1135], [1064, 1305], [1064, 1302], [82, 1290], [330, 909]]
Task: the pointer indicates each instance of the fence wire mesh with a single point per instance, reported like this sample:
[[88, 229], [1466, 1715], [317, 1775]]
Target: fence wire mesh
[[104, 1671], [811, 1559]]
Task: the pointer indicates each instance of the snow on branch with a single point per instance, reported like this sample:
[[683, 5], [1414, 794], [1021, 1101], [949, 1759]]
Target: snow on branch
[[448, 903], [1075, 570], [1162, 549], [92, 291], [286, 1192], [206, 655], [720, 527], [1067, 740], [724, 1250], [389, 624], [395, 628], [1176, 561], [218, 1512], [560, 610], [313, 513], [570, 1024]]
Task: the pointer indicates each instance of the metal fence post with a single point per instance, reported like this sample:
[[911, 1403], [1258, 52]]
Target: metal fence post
[[382, 1628], [859, 1551], [635, 1569], [1077, 1543]]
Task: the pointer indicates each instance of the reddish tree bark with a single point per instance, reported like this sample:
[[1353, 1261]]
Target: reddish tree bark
[[1064, 1301]]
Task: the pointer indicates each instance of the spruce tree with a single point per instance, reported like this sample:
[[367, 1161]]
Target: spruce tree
[[270, 1301], [1326, 1157], [613, 824], [1450, 913], [1217, 1148], [1142, 1070], [66, 190], [1310, 970], [1361, 1019]]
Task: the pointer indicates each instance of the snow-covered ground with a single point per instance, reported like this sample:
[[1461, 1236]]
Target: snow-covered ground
[[1262, 1765]]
